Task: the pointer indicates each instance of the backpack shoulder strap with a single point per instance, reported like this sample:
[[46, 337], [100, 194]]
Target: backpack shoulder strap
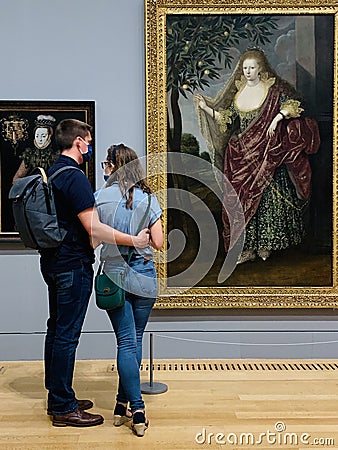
[[39, 171], [62, 169]]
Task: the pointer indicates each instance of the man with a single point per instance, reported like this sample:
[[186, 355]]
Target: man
[[68, 272]]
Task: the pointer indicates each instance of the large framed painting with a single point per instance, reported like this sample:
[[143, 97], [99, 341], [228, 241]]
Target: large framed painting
[[27, 141], [241, 126]]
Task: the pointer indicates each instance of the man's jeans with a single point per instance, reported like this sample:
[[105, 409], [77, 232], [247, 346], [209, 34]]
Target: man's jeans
[[129, 323], [69, 294]]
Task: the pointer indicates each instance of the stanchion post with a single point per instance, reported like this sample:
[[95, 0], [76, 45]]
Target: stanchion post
[[151, 387], [151, 356]]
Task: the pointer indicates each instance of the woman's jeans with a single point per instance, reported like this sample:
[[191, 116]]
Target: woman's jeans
[[129, 323], [69, 294]]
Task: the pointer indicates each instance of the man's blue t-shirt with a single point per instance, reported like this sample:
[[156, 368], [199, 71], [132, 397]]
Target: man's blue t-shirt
[[73, 194]]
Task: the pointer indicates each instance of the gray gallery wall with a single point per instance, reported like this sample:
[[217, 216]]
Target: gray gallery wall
[[85, 50]]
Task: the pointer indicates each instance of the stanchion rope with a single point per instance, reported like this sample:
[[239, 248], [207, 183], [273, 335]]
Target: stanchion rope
[[267, 344]]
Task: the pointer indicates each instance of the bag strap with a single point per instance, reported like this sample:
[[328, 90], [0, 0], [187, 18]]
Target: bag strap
[[41, 171], [139, 228], [62, 169]]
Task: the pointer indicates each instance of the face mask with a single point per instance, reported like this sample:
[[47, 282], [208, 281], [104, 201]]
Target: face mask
[[106, 177], [86, 156]]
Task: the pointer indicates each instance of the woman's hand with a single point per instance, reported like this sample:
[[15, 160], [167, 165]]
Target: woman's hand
[[201, 101], [142, 239], [202, 104], [273, 125]]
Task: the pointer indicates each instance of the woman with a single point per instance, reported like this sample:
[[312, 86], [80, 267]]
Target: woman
[[42, 155], [258, 120], [122, 203]]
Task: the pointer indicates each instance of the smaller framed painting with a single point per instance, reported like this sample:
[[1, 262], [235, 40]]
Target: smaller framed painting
[[27, 141]]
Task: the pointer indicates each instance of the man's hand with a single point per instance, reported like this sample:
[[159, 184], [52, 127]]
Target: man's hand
[[142, 239]]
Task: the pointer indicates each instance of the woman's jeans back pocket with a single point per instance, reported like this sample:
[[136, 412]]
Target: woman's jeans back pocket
[[140, 278]]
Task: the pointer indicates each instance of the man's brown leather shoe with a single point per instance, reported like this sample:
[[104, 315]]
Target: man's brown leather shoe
[[82, 404], [77, 418]]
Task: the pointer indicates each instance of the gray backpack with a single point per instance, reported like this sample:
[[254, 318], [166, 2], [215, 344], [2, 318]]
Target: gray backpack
[[34, 210]]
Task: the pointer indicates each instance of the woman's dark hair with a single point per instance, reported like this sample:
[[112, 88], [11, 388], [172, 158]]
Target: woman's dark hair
[[127, 171]]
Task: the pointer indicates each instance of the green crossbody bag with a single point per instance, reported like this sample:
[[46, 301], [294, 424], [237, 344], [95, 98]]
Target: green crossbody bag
[[109, 291]]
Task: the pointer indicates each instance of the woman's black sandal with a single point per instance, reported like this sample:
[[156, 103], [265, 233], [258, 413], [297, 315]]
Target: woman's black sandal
[[120, 415], [140, 423]]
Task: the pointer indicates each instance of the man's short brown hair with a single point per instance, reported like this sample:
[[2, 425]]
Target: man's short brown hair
[[68, 130]]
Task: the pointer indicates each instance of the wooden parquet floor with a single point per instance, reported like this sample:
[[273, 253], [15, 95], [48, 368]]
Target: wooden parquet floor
[[209, 405]]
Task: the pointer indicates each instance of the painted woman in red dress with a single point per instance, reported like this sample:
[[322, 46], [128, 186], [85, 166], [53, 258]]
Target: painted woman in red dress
[[259, 137]]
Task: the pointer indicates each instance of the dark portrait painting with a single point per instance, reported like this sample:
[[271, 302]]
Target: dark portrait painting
[[27, 141]]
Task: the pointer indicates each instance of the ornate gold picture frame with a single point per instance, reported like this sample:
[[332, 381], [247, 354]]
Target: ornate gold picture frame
[[193, 49]]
